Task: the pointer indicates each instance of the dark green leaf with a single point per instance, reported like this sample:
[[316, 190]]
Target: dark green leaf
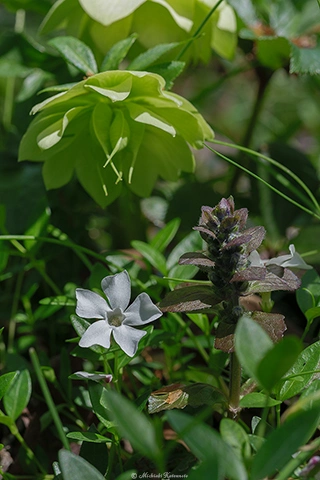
[[235, 436], [5, 381], [133, 425], [73, 466], [18, 395], [162, 239], [75, 52], [277, 362], [169, 71], [117, 53], [308, 295], [258, 400], [88, 437], [145, 59], [251, 344], [307, 362], [151, 254], [206, 444], [283, 442], [305, 60]]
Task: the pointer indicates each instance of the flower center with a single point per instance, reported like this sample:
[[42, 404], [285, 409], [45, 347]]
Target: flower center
[[115, 317]]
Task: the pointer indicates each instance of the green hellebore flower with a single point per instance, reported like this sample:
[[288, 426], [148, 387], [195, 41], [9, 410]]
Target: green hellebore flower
[[114, 127], [101, 24]]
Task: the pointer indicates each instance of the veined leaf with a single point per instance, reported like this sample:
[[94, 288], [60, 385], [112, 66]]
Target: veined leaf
[[77, 53]]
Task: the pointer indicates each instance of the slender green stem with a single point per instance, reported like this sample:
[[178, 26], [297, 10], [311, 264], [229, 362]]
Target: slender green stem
[[235, 384], [62, 243], [196, 342], [196, 33], [48, 398], [310, 212], [15, 303], [295, 462], [45, 276], [14, 430], [260, 157]]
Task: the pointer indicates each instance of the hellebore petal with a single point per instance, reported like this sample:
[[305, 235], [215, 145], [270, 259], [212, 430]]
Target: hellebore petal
[[141, 311], [90, 304], [97, 334], [128, 338], [116, 127], [117, 289]]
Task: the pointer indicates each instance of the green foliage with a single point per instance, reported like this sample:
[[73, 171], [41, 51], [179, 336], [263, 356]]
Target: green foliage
[[217, 388]]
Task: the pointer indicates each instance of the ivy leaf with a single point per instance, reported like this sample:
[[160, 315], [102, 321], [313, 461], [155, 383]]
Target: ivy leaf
[[76, 52]]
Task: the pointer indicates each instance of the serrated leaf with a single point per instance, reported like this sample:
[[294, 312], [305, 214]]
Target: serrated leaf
[[76, 52], [117, 53], [305, 60]]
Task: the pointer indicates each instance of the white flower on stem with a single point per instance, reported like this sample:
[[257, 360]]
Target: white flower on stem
[[292, 260], [115, 316]]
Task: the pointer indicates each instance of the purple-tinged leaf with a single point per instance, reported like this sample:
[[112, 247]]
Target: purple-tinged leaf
[[189, 299], [289, 282], [198, 259], [225, 337], [250, 273], [206, 231], [257, 235], [242, 216], [272, 323], [237, 241]]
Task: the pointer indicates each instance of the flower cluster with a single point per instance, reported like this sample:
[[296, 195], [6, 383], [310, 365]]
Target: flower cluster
[[115, 316], [235, 270], [112, 128]]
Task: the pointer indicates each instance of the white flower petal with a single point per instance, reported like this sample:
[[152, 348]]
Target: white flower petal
[[97, 334], [128, 338], [255, 260], [118, 289], [90, 304], [141, 311], [296, 261]]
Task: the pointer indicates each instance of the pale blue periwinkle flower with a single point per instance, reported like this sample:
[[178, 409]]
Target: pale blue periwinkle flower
[[115, 316]]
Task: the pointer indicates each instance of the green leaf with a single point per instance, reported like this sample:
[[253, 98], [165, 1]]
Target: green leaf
[[133, 425], [73, 466], [277, 362], [37, 228], [18, 394], [162, 239], [88, 437], [96, 392], [258, 400], [308, 361], [75, 52], [251, 345], [154, 257], [169, 71], [5, 381], [235, 436], [305, 60], [283, 442], [308, 295], [207, 445], [117, 53], [145, 59], [190, 243], [61, 300]]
